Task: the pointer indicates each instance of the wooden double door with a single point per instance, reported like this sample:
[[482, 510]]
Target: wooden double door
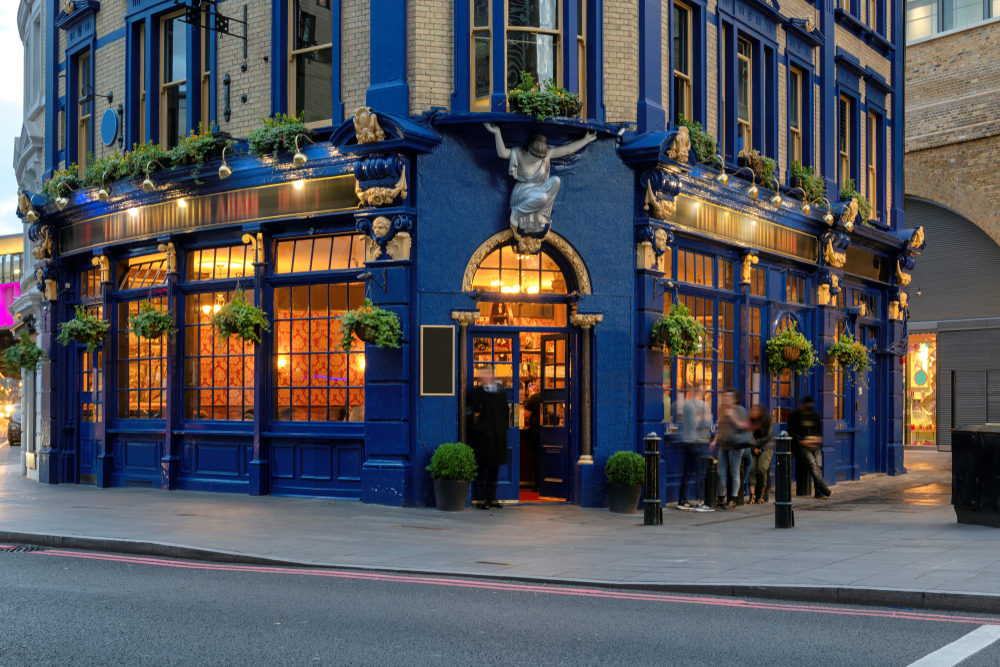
[[532, 376]]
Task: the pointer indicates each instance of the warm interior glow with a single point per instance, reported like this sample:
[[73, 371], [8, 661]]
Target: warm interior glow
[[206, 309], [299, 184], [182, 203], [282, 362], [134, 212], [361, 362], [533, 289]]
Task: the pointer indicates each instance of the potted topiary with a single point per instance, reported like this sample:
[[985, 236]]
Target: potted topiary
[[240, 318], [370, 324], [151, 322], [452, 467], [23, 354], [86, 328], [850, 354], [789, 350], [680, 333], [626, 472]]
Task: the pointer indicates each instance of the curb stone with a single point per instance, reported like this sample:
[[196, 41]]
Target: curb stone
[[952, 601]]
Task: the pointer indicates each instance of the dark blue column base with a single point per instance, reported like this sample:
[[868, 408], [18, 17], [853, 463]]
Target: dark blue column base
[[895, 459], [169, 468], [650, 116], [104, 469], [47, 463], [393, 97], [593, 485], [67, 467], [385, 480], [830, 465], [260, 477]]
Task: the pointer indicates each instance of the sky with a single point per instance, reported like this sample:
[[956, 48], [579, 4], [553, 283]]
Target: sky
[[11, 93]]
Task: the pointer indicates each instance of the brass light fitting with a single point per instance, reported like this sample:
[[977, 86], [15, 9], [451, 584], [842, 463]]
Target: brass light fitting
[[776, 200], [148, 185], [723, 178], [752, 190], [299, 159], [103, 193], [225, 170], [62, 202]]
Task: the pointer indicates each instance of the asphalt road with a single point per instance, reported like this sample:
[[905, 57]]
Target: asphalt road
[[79, 608]]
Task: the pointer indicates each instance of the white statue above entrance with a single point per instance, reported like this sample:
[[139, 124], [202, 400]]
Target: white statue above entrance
[[536, 189]]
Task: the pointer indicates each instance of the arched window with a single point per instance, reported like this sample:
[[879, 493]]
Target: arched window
[[783, 387], [503, 270]]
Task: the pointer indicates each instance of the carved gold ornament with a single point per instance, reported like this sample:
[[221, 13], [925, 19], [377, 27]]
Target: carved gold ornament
[[586, 321], [527, 245], [382, 196], [863, 309], [917, 239], [105, 265], [366, 126], [823, 294], [809, 25], [680, 146], [748, 262], [894, 313], [171, 256], [645, 256], [553, 239], [902, 300], [832, 257], [849, 213], [44, 249], [660, 238], [902, 277], [23, 203], [69, 7], [661, 209], [51, 290], [464, 317], [399, 245]]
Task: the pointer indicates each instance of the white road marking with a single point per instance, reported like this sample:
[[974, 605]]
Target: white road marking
[[960, 649]]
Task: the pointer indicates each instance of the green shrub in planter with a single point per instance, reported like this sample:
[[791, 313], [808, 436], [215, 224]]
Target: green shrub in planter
[[789, 349], [86, 329], [240, 318], [626, 468], [370, 324], [543, 100], [23, 354], [703, 142], [277, 133], [453, 462], [813, 184], [680, 333], [151, 322], [850, 192]]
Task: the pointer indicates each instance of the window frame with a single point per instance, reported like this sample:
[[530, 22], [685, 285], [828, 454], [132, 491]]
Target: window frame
[[205, 59], [293, 53], [473, 29], [796, 144], [123, 300], [845, 139], [142, 81], [85, 114], [164, 86], [686, 79], [872, 155], [556, 33], [746, 125]]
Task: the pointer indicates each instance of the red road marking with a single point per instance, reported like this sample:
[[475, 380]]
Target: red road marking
[[555, 589]]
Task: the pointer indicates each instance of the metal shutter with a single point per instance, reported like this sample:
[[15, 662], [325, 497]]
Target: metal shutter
[[993, 396], [969, 400], [951, 271]]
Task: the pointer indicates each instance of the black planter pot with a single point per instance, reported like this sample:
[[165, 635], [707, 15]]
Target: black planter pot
[[623, 499], [450, 496], [795, 182], [743, 162]]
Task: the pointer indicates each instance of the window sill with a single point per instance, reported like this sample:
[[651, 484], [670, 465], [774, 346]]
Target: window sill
[[520, 119], [877, 41], [851, 22]]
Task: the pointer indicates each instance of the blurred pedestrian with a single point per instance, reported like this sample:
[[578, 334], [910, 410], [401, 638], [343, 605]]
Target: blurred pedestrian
[[806, 428], [762, 450], [731, 438], [696, 426], [489, 418]]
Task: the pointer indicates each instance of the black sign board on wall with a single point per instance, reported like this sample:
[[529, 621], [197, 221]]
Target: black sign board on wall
[[437, 360]]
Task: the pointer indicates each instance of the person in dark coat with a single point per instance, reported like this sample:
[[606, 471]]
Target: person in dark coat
[[489, 419], [806, 428]]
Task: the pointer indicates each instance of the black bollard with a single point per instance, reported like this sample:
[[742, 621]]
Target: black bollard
[[784, 517], [711, 481], [653, 514]]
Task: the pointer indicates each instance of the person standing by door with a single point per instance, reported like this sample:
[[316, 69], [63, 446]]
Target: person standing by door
[[806, 428], [489, 418], [696, 425], [731, 438], [761, 450], [533, 408]]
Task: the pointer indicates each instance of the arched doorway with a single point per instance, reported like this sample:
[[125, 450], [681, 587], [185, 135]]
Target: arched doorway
[[523, 333]]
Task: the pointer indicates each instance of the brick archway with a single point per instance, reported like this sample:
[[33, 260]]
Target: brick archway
[[939, 186]]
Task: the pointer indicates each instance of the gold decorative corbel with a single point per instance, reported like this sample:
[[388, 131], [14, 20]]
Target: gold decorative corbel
[[171, 256], [256, 246], [661, 208], [749, 260], [382, 196], [105, 266]]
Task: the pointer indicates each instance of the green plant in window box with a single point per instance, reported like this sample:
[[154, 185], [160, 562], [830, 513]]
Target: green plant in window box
[[543, 100], [761, 166], [151, 322], [23, 354], [240, 318], [108, 169], [848, 192], [140, 157], [276, 134], [812, 183], [86, 328], [850, 354], [703, 142], [790, 350], [680, 334], [370, 324], [62, 182]]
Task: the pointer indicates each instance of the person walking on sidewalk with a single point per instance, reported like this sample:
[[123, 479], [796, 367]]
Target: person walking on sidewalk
[[696, 425], [731, 438], [806, 428], [761, 450], [489, 418]]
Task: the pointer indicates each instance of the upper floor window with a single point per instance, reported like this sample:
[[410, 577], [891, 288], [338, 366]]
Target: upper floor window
[[844, 141], [311, 61], [206, 75], [173, 82], [795, 114], [142, 82], [144, 271], [682, 61], [872, 14], [85, 125], [872, 155], [925, 18], [33, 76], [744, 95]]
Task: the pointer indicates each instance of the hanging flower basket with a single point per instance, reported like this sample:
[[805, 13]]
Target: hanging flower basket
[[23, 354], [679, 333], [372, 325], [849, 353], [241, 319], [789, 350], [85, 329], [151, 322]]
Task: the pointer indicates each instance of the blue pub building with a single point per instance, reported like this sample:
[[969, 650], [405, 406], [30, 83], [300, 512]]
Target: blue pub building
[[546, 258]]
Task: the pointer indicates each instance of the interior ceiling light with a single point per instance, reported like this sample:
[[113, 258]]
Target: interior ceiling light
[[299, 184], [182, 203]]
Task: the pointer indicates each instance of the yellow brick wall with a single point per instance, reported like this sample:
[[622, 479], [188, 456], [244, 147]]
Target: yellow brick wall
[[110, 75], [666, 46], [430, 48], [256, 81], [621, 60], [354, 54]]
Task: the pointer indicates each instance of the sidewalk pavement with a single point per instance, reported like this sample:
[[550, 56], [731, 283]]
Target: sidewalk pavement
[[881, 541]]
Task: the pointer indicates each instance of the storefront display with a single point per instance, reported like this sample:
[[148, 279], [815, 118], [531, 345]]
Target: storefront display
[[921, 390]]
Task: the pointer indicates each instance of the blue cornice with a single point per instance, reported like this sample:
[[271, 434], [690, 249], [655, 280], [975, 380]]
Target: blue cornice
[[850, 61], [879, 42], [650, 150], [798, 28], [401, 134], [873, 78], [851, 22], [81, 10]]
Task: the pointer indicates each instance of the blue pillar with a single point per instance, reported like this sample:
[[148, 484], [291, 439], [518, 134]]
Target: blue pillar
[[595, 60], [385, 476], [897, 218], [826, 386], [388, 89], [279, 57], [828, 102], [571, 54], [650, 114], [336, 64], [260, 468], [170, 463], [498, 98], [48, 404], [109, 357], [650, 414], [51, 88], [893, 374]]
